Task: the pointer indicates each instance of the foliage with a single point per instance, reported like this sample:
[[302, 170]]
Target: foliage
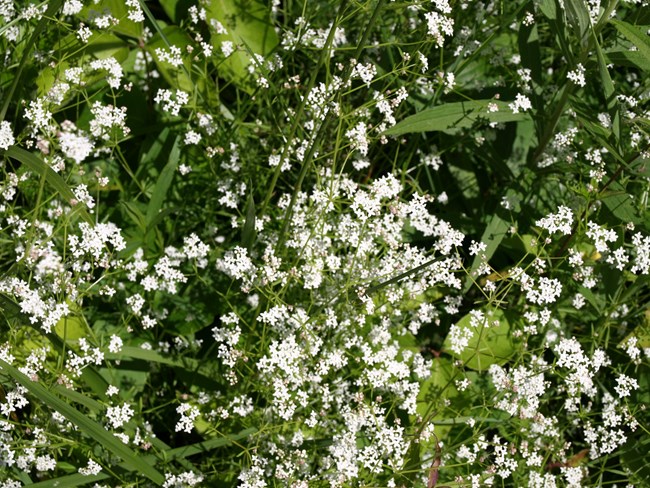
[[324, 243]]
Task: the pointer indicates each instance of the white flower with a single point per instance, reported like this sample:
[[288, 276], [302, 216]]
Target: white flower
[[439, 26], [71, 7], [135, 11], [192, 137], [107, 117], [115, 345], [74, 146], [625, 385], [236, 263], [188, 414], [358, 138], [6, 135], [577, 76], [183, 480], [114, 69], [173, 56], [82, 196], [559, 222], [172, 106], [118, 416], [521, 103], [92, 469], [227, 48]]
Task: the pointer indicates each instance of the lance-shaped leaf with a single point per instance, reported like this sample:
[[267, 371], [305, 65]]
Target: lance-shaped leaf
[[456, 115]]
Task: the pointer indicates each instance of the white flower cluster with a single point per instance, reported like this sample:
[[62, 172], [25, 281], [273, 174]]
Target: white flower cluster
[[114, 69], [522, 388], [173, 56], [94, 242], [439, 25], [6, 135], [641, 254], [577, 76], [188, 413], [559, 222], [39, 115], [74, 145], [366, 72], [601, 236], [237, 264], [169, 104], [92, 469], [521, 104], [72, 7], [135, 11], [106, 118], [188, 479], [119, 415], [45, 311]]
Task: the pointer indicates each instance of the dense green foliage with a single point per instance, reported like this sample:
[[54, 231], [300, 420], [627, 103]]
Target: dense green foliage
[[324, 243]]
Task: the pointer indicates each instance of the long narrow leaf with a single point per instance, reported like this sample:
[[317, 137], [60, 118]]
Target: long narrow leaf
[[37, 165], [636, 36], [164, 182], [455, 115], [86, 425], [608, 86]]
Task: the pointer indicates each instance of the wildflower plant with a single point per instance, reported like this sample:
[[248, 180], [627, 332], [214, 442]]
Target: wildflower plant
[[324, 243]]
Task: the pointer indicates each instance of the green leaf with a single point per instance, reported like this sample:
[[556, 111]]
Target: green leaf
[[205, 446], [494, 233], [610, 92], [248, 230], [248, 24], [86, 425], [628, 58], [119, 10], [490, 342], [135, 214], [71, 328], [636, 458], [70, 480], [151, 357], [454, 116], [636, 36], [438, 386], [549, 9], [435, 392], [578, 16], [72, 395], [38, 166], [164, 182], [621, 205], [176, 10]]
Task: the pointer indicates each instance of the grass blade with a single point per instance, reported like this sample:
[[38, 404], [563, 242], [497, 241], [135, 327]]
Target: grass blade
[[38, 166]]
